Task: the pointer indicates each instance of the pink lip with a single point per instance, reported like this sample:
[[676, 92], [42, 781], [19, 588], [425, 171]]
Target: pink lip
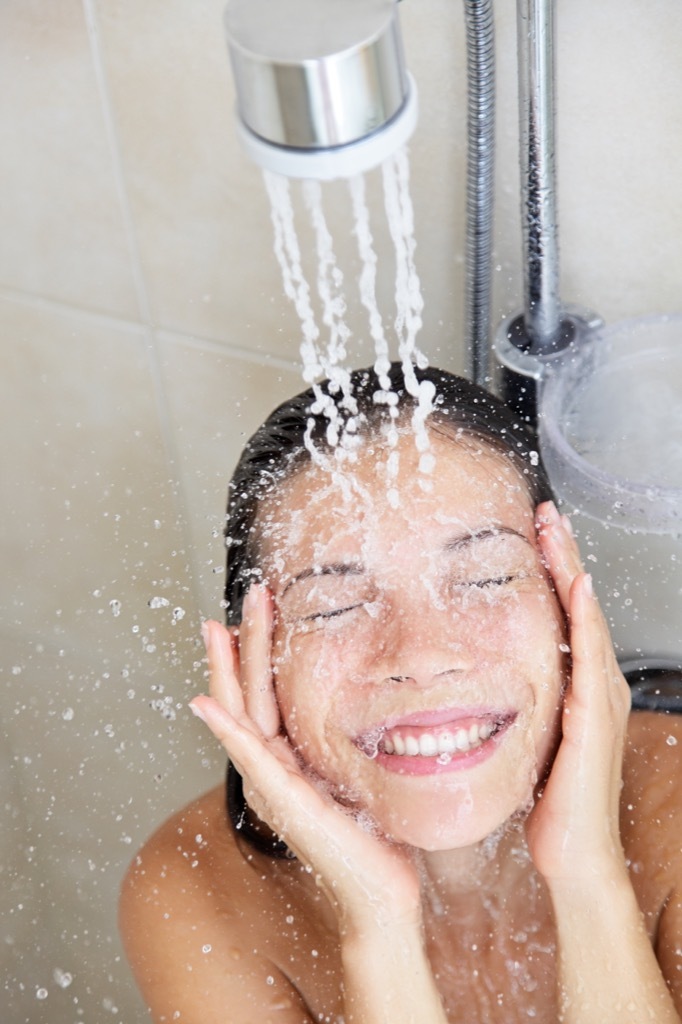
[[418, 765], [444, 716]]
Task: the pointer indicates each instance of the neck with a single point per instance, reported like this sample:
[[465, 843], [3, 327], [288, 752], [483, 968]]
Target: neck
[[499, 863]]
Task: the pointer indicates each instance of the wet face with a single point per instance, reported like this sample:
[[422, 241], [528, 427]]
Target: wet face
[[417, 648]]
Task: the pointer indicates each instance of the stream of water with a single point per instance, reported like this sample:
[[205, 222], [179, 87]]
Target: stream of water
[[325, 338]]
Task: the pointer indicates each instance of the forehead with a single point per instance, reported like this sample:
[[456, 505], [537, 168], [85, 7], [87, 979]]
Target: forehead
[[375, 507]]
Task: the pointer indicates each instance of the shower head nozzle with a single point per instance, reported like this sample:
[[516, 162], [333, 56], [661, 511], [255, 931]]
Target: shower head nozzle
[[322, 90]]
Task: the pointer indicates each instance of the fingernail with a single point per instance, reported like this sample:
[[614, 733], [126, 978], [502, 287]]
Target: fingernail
[[197, 712], [568, 525], [587, 584], [205, 634], [251, 599], [553, 512], [250, 596]]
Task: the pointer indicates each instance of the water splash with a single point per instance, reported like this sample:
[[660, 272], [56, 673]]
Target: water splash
[[370, 742], [327, 359], [368, 298], [408, 296]]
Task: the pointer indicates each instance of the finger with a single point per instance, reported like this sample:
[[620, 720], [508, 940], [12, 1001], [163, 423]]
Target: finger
[[596, 673], [237, 734], [223, 681], [559, 549], [255, 653], [273, 783]]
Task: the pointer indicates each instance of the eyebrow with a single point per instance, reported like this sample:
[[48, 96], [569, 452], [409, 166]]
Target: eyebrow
[[333, 569], [463, 540], [357, 568]]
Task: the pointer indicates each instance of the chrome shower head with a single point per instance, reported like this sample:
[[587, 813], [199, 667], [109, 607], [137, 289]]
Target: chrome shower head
[[322, 90]]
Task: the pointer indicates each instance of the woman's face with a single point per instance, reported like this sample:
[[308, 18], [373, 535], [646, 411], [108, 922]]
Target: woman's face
[[417, 649]]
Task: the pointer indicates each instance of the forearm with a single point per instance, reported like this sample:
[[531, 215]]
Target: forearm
[[608, 971], [388, 977]]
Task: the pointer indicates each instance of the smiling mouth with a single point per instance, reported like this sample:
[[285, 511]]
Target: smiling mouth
[[434, 741]]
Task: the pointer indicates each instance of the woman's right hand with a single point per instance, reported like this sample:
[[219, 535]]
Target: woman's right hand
[[365, 878]]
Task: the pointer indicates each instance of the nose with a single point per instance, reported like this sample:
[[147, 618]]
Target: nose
[[421, 642]]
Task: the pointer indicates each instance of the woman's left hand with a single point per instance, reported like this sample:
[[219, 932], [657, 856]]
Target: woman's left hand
[[573, 830]]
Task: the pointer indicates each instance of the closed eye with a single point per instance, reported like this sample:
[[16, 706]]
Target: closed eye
[[331, 614], [493, 581]]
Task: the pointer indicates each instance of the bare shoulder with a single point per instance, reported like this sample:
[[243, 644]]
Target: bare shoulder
[[176, 866], [651, 808], [192, 912], [651, 826], [653, 761]]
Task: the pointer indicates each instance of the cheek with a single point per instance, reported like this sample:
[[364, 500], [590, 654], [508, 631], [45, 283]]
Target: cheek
[[310, 675], [324, 658], [529, 626]]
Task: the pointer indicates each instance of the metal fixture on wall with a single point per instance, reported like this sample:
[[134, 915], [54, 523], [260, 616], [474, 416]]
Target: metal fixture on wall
[[322, 89], [527, 342], [480, 37]]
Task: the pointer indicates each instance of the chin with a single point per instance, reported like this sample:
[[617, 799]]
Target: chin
[[451, 836], [456, 818]]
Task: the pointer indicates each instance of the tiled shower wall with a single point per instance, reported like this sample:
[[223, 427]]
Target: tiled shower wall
[[144, 335]]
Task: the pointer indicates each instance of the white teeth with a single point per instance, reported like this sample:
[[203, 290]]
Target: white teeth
[[439, 744], [428, 745], [447, 743], [462, 739]]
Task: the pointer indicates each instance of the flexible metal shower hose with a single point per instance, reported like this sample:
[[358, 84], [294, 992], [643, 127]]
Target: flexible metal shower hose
[[480, 36]]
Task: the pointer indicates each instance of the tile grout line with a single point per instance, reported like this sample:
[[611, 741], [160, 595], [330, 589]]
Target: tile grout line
[[141, 294], [33, 300], [151, 343]]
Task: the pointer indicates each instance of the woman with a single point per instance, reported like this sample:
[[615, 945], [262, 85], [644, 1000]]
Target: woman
[[449, 814]]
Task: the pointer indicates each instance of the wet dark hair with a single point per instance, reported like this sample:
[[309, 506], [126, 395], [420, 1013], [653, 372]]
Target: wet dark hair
[[462, 411], [278, 450]]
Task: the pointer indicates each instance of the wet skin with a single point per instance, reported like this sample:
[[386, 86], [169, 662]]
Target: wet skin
[[447, 611], [438, 613]]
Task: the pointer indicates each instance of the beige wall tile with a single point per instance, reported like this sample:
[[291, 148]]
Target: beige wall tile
[[619, 151], [96, 768], [62, 230], [199, 209], [620, 156], [89, 513], [196, 200], [217, 401], [100, 746], [201, 213], [203, 220]]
